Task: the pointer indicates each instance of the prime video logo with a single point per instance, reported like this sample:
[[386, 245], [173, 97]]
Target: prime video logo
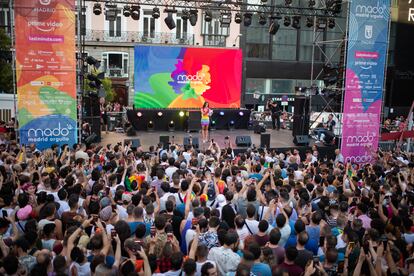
[[182, 78], [49, 132], [370, 10]]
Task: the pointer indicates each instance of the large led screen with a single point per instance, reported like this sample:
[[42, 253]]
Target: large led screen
[[181, 77]]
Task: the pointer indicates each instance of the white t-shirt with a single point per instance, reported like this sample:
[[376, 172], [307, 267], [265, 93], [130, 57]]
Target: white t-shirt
[[199, 265], [285, 233], [253, 225], [170, 171], [63, 207]]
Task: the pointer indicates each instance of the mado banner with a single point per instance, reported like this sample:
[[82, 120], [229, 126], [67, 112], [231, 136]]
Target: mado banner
[[46, 72], [181, 77], [364, 82]]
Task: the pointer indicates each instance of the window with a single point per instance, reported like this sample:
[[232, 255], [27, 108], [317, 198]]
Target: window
[[115, 64], [181, 27], [82, 24], [149, 25], [284, 43], [214, 34], [256, 86], [4, 19], [115, 27]]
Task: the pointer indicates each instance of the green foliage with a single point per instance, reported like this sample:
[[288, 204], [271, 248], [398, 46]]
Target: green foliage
[[6, 71], [107, 86]]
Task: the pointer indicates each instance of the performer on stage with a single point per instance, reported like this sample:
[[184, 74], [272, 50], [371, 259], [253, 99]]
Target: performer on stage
[[276, 111], [206, 112]]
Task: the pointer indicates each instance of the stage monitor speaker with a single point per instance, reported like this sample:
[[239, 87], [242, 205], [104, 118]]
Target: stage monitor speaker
[[131, 131], [194, 121], [165, 141], [91, 106], [301, 140], [265, 141], [301, 116], [95, 126], [191, 141], [90, 139], [259, 128], [243, 141], [135, 143]]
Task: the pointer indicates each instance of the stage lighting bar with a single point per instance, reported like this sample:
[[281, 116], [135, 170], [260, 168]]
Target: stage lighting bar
[[111, 12], [238, 6], [97, 9], [156, 13]]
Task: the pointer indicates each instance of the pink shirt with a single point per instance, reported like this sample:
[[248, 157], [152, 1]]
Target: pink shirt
[[366, 221]]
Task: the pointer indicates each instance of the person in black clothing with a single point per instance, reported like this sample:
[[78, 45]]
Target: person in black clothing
[[276, 111]]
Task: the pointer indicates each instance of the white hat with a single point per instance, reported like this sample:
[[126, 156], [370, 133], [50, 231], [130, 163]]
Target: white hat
[[221, 200]]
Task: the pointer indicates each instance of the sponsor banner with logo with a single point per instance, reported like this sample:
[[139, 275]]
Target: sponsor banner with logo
[[364, 82], [181, 77], [46, 71]]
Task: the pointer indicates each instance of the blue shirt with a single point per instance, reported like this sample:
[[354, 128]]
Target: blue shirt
[[133, 226], [313, 242], [261, 269]]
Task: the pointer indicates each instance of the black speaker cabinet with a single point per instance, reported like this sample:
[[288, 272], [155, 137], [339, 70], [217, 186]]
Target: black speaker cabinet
[[301, 140], [265, 140], [191, 141], [194, 121], [243, 141], [135, 143]]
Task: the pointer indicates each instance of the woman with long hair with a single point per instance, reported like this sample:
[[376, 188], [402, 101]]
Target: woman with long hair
[[206, 112]]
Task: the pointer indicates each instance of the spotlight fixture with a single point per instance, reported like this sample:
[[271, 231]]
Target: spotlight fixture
[[213, 125], [221, 113], [262, 19], [169, 21], [225, 19], [156, 13], [97, 9], [139, 114], [193, 17], [171, 126], [311, 3], [296, 22], [93, 61], [273, 28], [331, 23], [159, 114], [286, 21], [288, 3], [231, 125], [208, 16], [238, 18], [111, 12], [276, 16], [181, 114], [321, 23], [127, 11], [241, 113], [135, 12], [247, 20], [309, 22], [150, 126], [185, 15]]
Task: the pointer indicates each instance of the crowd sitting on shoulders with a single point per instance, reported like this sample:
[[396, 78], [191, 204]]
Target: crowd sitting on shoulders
[[118, 210]]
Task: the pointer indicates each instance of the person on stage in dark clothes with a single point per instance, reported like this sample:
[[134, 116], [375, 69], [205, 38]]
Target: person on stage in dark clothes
[[276, 111], [328, 126]]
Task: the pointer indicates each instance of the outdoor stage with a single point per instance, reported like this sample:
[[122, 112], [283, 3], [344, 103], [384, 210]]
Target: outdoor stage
[[281, 140]]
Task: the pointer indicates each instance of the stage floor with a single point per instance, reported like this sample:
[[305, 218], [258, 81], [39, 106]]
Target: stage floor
[[278, 139]]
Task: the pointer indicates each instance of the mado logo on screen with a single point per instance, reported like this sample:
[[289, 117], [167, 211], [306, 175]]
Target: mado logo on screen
[[377, 11], [48, 130], [196, 78]]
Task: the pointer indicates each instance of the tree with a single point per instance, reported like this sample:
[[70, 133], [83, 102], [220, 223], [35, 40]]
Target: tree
[[107, 87], [6, 70]]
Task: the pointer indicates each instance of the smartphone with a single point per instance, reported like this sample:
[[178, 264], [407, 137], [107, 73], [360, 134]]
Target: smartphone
[[113, 233], [137, 246], [107, 190], [315, 260], [152, 231], [113, 207], [366, 247], [4, 213], [194, 222], [170, 236], [351, 244], [95, 218]]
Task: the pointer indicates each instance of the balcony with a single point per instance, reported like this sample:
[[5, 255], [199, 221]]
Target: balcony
[[138, 37]]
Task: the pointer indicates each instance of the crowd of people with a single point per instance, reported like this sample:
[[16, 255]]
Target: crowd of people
[[117, 210]]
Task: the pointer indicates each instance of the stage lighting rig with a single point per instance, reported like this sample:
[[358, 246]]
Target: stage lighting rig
[[193, 17], [111, 12], [225, 19], [185, 15], [311, 3], [274, 27], [296, 22], [238, 18], [321, 23], [331, 23], [309, 22], [208, 16], [247, 20], [288, 3], [169, 20], [97, 9], [276, 16], [262, 19], [156, 13], [286, 21], [93, 61], [127, 11], [135, 12]]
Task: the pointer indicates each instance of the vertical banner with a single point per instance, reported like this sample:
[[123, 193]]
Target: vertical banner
[[364, 83], [46, 72]]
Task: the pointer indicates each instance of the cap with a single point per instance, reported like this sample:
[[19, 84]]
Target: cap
[[126, 197], [105, 213]]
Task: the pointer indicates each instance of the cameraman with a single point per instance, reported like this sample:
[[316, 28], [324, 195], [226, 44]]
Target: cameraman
[[274, 107]]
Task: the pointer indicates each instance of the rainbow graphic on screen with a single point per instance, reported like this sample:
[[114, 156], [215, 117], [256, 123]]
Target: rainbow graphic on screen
[[179, 77]]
